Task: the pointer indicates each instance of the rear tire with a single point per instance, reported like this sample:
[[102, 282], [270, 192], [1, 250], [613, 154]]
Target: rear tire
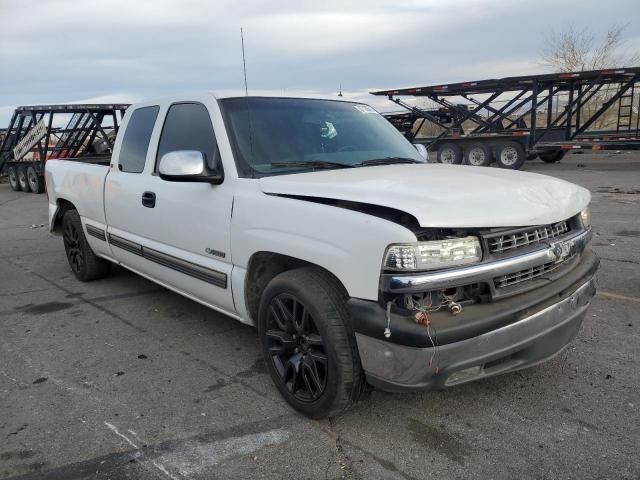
[[450, 154], [36, 182], [85, 264], [510, 155], [308, 344], [478, 155], [12, 172], [552, 156], [22, 179]]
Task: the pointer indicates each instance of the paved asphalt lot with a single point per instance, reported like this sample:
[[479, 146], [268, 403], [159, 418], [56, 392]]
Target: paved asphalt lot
[[120, 378]]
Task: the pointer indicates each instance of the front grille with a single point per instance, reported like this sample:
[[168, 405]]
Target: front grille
[[528, 274], [504, 242]]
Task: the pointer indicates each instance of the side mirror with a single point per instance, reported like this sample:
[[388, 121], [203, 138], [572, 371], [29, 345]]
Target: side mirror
[[187, 166], [422, 150]]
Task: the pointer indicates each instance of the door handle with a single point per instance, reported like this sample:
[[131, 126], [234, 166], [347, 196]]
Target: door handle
[[149, 199]]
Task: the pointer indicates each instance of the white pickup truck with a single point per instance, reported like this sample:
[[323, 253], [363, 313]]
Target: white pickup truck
[[317, 222]]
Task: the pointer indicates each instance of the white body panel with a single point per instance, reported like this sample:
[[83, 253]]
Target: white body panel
[[79, 183], [243, 216], [444, 196], [188, 219], [349, 244]]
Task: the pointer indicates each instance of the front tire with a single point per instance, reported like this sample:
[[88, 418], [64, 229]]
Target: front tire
[[85, 264], [308, 344], [13, 178]]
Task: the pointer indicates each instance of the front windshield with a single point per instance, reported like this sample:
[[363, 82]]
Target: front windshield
[[273, 136]]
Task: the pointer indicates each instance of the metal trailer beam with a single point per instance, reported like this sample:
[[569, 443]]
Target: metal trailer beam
[[559, 120], [418, 111], [72, 138], [534, 118], [581, 87], [534, 106], [605, 106], [463, 115], [496, 112]]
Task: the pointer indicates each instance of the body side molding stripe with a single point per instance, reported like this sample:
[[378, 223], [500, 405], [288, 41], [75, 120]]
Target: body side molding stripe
[[96, 232], [125, 244], [208, 275]]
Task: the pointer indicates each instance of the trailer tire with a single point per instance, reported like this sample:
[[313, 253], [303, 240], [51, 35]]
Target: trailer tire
[[308, 344], [510, 155], [36, 182], [552, 156], [450, 154], [478, 155], [22, 178], [12, 172], [85, 264]]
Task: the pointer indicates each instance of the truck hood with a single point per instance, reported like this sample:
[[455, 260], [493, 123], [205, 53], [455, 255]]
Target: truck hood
[[443, 196]]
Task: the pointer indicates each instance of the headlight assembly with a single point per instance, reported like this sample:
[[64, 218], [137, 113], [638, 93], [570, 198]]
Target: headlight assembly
[[433, 255], [585, 216]]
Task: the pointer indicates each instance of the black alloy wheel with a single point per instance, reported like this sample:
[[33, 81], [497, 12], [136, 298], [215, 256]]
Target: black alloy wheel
[[296, 348], [72, 246], [84, 263], [308, 343]]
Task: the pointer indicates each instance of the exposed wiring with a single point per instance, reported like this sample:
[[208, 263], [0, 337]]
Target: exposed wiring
[[387, 331]]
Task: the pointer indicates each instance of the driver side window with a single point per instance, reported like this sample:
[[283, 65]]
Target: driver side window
[[188, 127]]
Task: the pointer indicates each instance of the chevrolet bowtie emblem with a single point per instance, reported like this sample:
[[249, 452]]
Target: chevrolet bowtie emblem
[[563, 250]]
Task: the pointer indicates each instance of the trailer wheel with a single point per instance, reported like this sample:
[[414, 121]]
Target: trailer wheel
[[13, 178], [450, 154], [36, 183], [22, 179], [85, 264], [510, 155], [307, 343], [552, 156], [478, 155]]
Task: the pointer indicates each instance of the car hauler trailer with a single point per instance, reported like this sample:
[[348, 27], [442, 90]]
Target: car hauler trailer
[[39, 133], [512, 119]]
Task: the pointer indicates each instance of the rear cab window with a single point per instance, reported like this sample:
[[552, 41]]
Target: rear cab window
[[133, 152]]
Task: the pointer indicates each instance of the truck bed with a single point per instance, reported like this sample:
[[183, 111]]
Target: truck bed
[[80, 182]]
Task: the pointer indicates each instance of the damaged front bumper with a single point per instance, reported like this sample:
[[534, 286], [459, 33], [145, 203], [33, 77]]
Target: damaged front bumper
[[485, 340]]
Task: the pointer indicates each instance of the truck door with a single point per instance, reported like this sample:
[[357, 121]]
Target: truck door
[[176, 233]]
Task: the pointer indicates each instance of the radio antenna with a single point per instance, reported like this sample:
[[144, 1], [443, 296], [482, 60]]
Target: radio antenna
[[246, 95], [244, 65]]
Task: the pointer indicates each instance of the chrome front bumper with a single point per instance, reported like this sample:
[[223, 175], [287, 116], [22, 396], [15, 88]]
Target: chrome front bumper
[[556, 251], [526, 342]]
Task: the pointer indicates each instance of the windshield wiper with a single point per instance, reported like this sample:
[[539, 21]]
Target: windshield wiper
[[312, 164], [388, 161]]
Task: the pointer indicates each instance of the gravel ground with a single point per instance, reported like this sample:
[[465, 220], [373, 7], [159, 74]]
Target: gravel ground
[[120, 378]]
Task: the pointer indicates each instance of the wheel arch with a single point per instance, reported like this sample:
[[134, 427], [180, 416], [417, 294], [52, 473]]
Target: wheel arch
[[63, 206], [263, 266]]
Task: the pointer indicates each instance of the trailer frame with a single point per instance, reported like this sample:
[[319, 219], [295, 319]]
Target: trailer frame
[[34, 136], [507, 111]]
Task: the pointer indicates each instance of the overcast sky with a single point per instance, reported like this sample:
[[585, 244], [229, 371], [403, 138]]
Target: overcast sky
[[124, 50]]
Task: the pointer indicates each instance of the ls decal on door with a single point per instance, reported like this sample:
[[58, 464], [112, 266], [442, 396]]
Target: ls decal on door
[[216, 253]]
